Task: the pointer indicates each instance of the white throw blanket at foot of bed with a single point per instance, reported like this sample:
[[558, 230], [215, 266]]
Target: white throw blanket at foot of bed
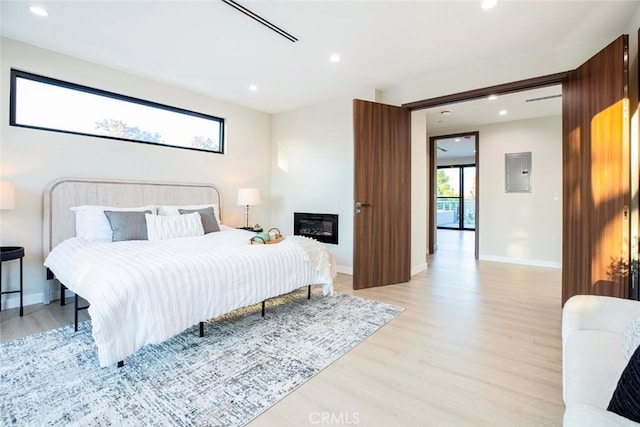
[[144, 292]]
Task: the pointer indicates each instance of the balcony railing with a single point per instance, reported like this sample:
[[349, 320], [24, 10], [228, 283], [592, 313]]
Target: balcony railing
[[448, 213]]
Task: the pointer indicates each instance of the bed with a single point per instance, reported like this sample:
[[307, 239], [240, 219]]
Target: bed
[[145, 291]]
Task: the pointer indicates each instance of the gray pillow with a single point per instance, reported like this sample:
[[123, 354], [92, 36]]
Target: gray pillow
[[208, 217], [127, 225]]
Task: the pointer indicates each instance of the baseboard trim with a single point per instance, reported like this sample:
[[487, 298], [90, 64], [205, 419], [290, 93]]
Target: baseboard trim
[[349, 270], [13, 300], [419, 269], [344, 269], [523, 261]]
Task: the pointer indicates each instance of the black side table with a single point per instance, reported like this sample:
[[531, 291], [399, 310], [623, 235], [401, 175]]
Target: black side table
[[8, 253]]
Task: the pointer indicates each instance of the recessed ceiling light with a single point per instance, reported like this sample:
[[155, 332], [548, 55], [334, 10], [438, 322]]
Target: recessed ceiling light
[[503, 112], [445, 112], [488, 4], [40, 11], [493, 97], [334, 58], [457, 140], [253, 88]]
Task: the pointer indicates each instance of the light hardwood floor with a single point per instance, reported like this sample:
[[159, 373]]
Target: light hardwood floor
[[477, 345]]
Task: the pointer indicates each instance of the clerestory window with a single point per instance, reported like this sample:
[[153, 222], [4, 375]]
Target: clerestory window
[[39, 102]]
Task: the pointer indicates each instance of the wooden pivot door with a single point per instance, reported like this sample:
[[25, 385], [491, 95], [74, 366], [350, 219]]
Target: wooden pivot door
[[596, 164], [382, 211]]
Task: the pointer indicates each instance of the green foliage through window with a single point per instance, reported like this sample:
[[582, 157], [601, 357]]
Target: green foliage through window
[[444, 185]]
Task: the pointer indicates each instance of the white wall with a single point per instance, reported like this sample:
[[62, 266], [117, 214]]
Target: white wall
[[419, 192], [33, 158], [523, 228], [312, 170]]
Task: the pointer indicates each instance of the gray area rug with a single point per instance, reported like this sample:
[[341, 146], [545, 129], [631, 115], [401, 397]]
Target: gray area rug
[[243, 365]]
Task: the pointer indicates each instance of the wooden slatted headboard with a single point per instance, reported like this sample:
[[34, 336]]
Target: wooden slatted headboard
[[62, 194]]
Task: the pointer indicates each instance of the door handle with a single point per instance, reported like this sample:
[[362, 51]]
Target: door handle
[[359, 206]]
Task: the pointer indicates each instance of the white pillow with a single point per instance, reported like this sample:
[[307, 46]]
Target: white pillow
[[92, 224], [631, 338], [175, 210], [174, 226]]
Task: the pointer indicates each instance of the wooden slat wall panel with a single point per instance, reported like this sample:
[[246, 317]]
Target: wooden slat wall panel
[[382, 241], [596, 176]]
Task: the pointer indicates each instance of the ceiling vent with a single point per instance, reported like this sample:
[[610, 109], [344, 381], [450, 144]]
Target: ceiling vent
[[260, 19]]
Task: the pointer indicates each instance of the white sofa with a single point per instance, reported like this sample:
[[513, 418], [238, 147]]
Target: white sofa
[[592, 357]]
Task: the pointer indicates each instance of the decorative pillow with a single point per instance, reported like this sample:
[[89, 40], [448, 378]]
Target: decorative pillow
[[208, 217], [174, 226], [631, 338], [626, 397], [92, 224], [127, 225], [175, 210]]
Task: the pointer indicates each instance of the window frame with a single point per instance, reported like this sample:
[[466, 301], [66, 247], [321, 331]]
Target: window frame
[[16, 74]]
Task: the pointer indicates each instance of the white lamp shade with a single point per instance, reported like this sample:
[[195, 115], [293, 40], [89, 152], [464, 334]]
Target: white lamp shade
[[248, 196], [7, 195]]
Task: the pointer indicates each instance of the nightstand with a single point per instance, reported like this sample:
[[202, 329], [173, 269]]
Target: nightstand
[[9, 253]]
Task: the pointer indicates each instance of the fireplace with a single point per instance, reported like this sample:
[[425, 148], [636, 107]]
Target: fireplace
[[322, 227]]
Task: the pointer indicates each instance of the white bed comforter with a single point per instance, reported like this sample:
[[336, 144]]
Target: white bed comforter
[[144, 292]]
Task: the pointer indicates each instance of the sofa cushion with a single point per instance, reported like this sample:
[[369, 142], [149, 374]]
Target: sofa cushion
[[626, 398], [595, 363]]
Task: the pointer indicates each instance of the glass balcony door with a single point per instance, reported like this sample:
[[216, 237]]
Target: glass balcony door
[[469, 197], [456, 197]]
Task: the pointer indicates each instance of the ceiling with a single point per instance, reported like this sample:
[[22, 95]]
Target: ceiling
[[534, 103], [459, 147], [211, 48]]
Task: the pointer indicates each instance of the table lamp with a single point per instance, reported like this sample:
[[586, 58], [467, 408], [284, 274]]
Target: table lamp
[[248, 197]]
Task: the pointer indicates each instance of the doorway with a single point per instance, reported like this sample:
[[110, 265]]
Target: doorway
[[456, 182], [454, 185], [533, 124]]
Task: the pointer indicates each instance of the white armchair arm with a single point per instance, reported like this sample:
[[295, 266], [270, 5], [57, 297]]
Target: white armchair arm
[[597, 312], [592, 312]]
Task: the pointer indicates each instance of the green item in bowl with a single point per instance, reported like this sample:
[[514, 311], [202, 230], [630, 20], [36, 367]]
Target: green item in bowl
[[264, 236]]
